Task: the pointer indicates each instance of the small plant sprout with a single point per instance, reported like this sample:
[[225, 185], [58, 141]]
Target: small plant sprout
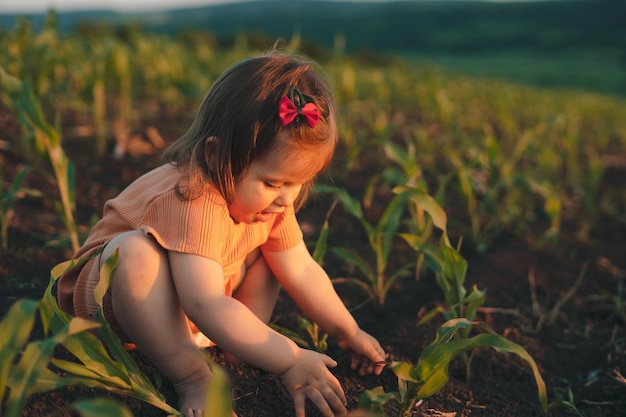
[[316, 339], [430, 374], [7, 198], [567, 404], [376, 281]]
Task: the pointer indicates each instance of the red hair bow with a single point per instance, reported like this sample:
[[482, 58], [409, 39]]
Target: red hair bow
[[288, 110]]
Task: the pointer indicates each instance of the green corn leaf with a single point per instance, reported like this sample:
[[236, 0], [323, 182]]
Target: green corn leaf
[[403, 370], [85, 346], [53, 318], [397, 154], [432, 367], [440, 219], [430, 314], [23, 376], [475, 299], [417, 242], [453, 276], [295, 336], [438, 378], [88, 348], [371, 399], [445, 332], [48, 380], [119, 374], [101, 407], [81, 371], [140, 386], [389, 222], [322, 241], [15, 329], [351, 205], [352, 258], [321, 245]]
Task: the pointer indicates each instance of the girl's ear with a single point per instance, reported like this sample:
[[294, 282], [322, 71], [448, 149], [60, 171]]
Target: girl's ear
[[209, 155]]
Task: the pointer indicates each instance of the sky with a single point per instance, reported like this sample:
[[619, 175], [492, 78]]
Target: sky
[[35, 6]]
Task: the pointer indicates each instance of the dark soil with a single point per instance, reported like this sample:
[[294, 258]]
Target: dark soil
[[581, 347]]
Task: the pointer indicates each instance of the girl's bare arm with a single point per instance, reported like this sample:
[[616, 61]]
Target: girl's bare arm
[[310, 287], [226, 321], [230, 324]]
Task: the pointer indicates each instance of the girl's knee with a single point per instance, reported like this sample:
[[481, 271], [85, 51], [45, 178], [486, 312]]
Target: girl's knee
[[141, 258]]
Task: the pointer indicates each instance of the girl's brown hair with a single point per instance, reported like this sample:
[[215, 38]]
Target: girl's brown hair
[[237, 122]]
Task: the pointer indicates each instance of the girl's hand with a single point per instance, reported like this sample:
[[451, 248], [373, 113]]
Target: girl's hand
[[310, 378], [366, 352]]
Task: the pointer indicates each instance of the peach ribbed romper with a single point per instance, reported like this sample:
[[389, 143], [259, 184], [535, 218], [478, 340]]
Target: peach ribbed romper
[[201, 226]]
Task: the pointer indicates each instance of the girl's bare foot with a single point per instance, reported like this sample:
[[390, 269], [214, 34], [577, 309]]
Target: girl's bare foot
[[192, 393]]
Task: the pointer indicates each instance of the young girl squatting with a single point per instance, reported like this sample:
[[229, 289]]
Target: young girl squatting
[[208, 239]]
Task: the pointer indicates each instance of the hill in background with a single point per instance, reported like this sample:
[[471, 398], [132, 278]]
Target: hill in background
[[578, 43]]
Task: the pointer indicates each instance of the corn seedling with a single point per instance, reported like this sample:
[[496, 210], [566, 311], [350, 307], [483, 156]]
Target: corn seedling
[[316, 338], [498, 194], [409, 174], [319, 339], [7, 199], [430, 374], [376, 282], [567, 404], [48, 144], [450, 269]]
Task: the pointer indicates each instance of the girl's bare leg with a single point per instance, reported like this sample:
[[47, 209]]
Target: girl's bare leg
[[259, 288], [146, 305]]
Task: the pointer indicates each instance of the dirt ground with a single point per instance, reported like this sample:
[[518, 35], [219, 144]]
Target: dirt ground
[[573, 332]]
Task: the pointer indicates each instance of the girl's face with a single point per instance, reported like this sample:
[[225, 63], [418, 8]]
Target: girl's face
[[273, 183]]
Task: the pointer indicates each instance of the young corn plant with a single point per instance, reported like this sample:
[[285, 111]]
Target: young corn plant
[[48, 143], [500, 194], [408, 173], [316, 339], [376, 281], [450, 269], [101, 360], [7, 198], [430, 373], [568, 404]]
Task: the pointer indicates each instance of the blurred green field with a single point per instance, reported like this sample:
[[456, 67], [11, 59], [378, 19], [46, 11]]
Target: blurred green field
[[502, 157], [599, 72]]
